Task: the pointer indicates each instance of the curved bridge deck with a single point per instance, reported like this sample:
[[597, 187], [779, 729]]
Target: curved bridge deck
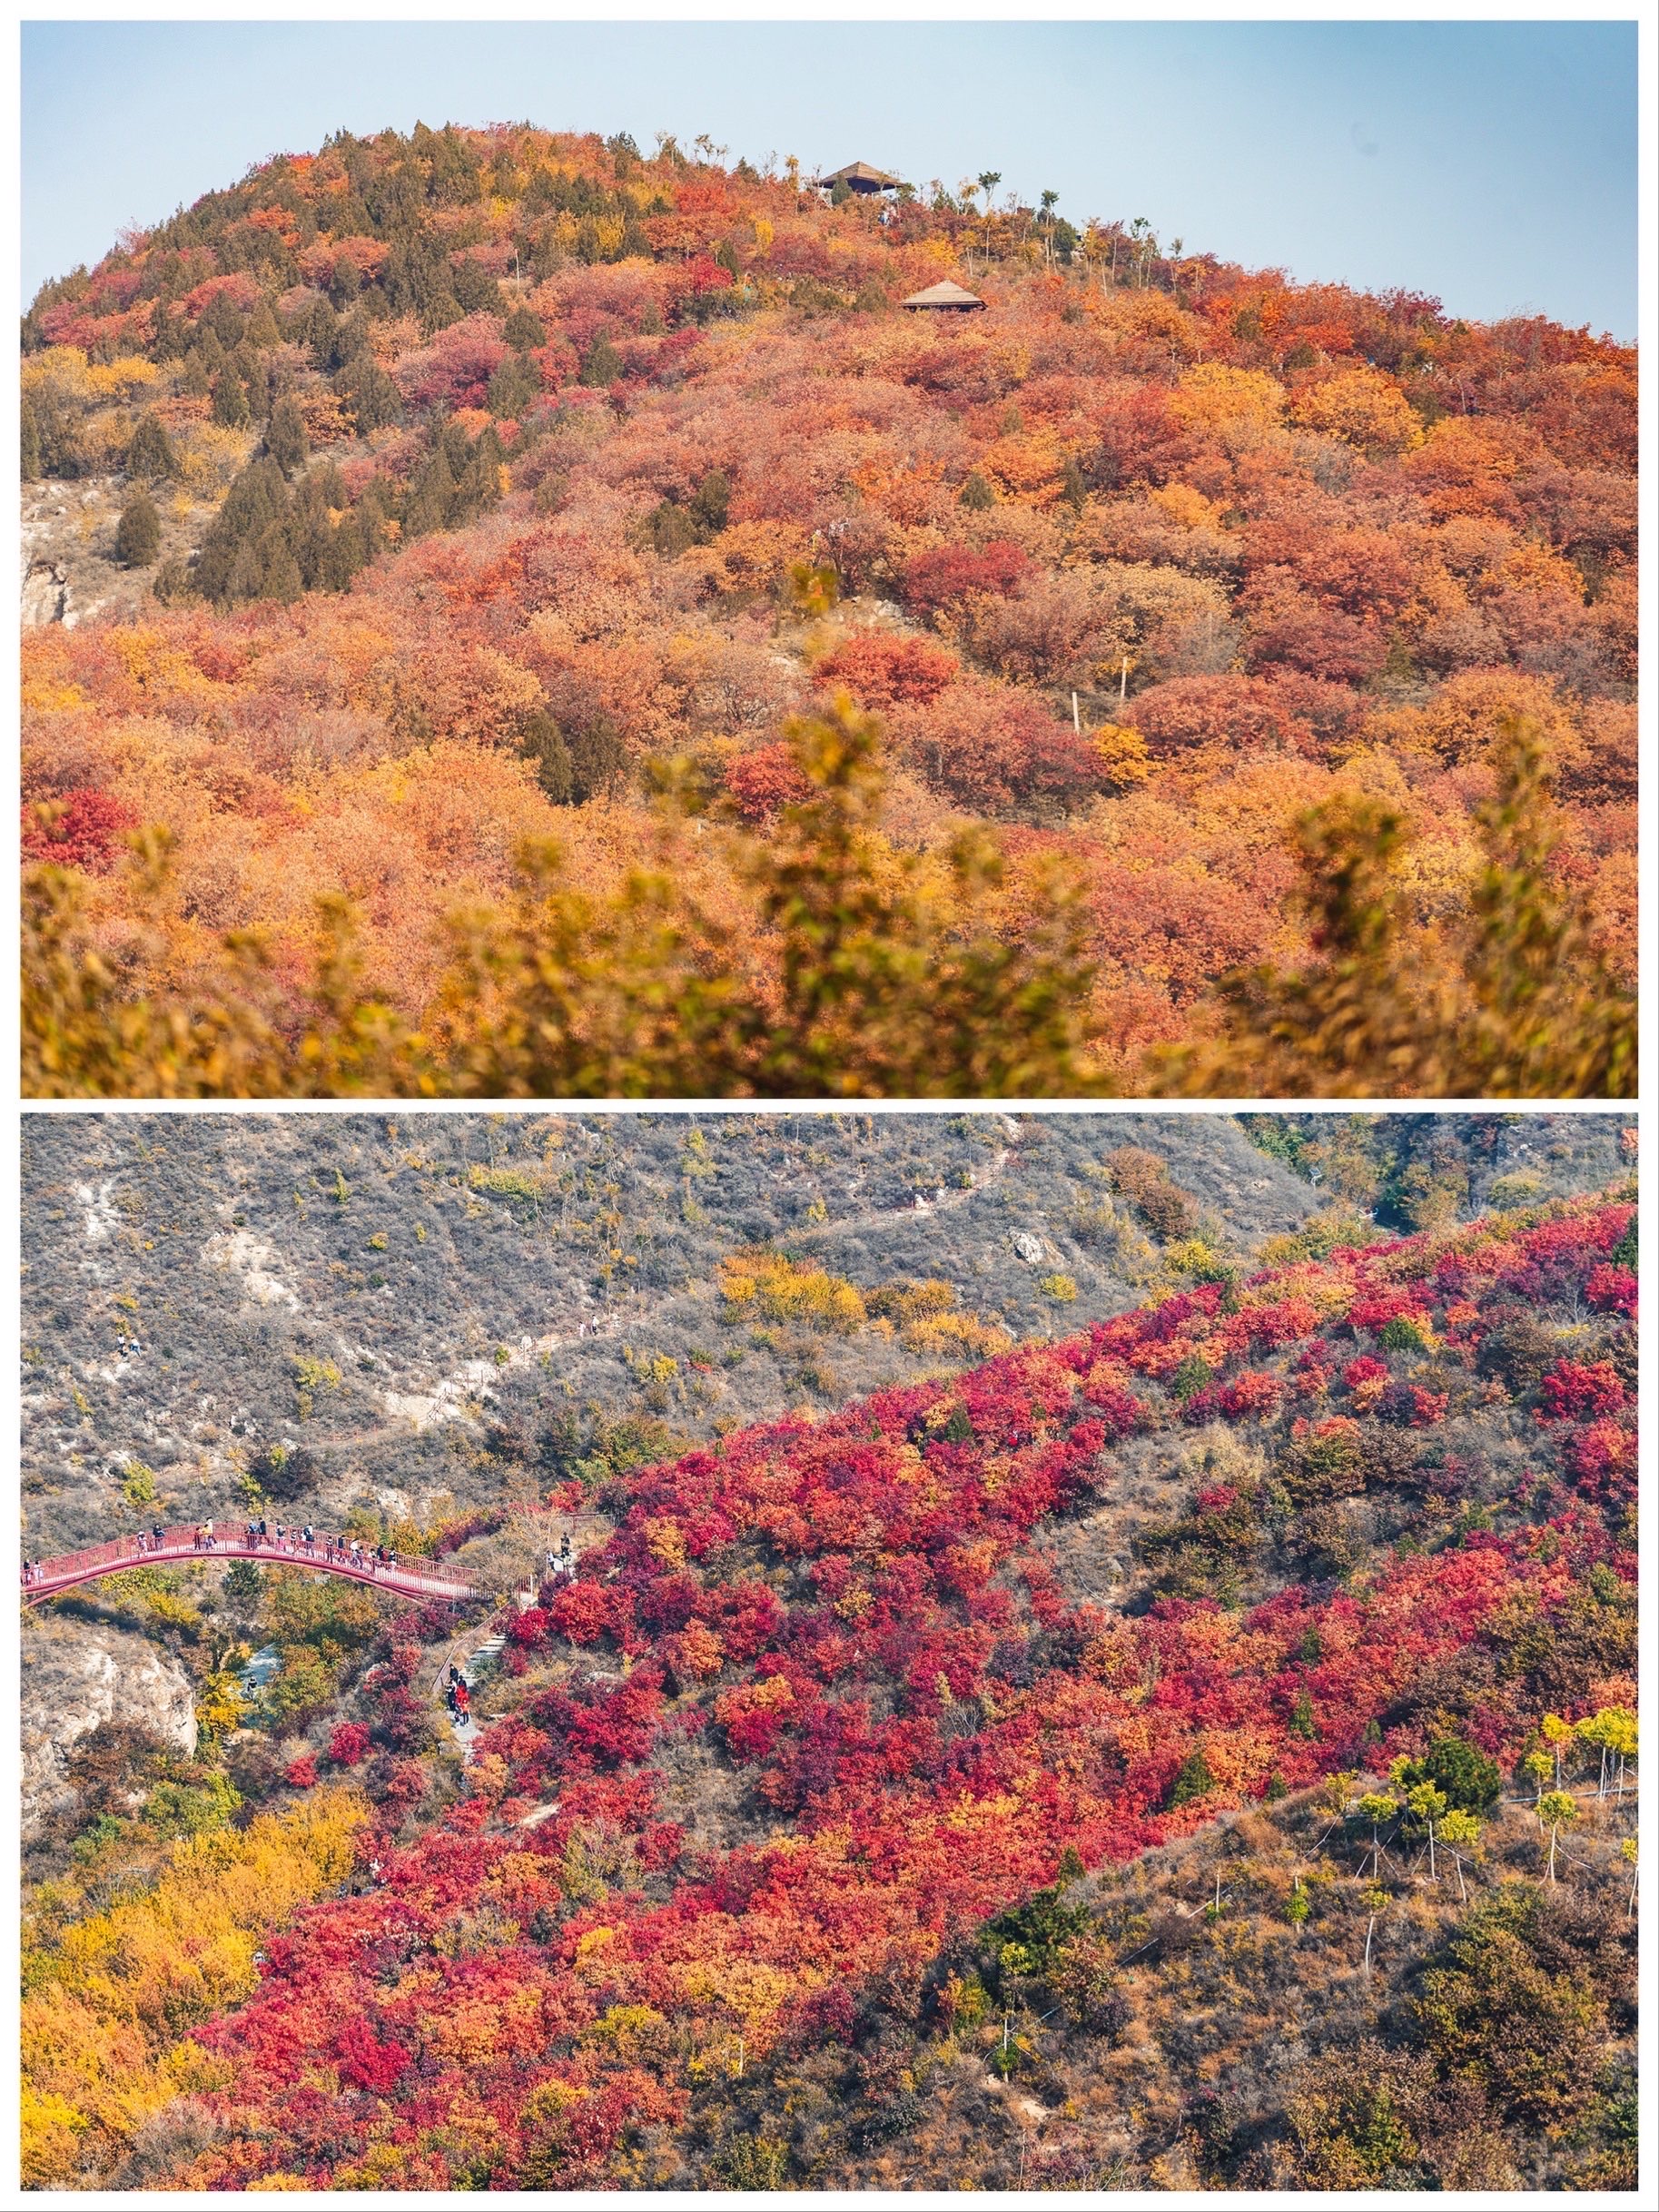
[[182, 1548]]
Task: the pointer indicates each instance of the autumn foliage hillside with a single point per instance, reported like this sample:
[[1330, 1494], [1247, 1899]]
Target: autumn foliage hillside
[[519, 463], [818, 1773]]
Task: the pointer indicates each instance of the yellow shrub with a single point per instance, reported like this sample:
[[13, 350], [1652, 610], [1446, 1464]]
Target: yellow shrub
[[1364, 407], [1212, 397], [767, 1285]]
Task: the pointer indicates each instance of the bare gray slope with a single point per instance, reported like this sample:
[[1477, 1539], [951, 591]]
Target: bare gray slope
[[418, 1299]]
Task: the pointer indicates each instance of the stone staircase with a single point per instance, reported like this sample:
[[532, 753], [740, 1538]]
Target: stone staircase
[[479, 1662]]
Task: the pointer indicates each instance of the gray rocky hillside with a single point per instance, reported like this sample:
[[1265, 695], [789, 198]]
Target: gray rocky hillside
[[417, 1314]]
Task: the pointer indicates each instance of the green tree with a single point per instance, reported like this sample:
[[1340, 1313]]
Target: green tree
[[514, 386], [285, 438], [523, 330], [368, 396], [1459, 1831], [150, 456], [1374, 1808], [1192, 1779], [230, 401], [541, 739], [1469, 1781], [138, 533], [603, 365]]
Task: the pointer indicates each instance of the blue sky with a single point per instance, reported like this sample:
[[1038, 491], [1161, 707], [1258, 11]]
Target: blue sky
[[1493, 164]]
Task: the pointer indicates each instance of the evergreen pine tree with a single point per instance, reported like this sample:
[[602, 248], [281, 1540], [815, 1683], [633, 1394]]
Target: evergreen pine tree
[[524, 332], [263, 331], [230, 401], [603, 365], [28, 441], [514, 386], [150, 456], [285, 438], [431, 497], [138, 534], [368, 395], [542, 741], [280, 577]]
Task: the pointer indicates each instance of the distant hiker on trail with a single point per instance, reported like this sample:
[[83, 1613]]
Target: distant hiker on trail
[[207, 1534], [307, 1537], [157, 1535]]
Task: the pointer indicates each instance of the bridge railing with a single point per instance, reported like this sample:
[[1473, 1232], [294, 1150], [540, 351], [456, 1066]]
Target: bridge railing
[[325, 1552]]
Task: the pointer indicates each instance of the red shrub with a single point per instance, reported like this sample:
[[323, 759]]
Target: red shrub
[[1573, 1392], [880, 670], [87, 833], [951, 574], [1611, 1289], [349, 1744], [763, 781]]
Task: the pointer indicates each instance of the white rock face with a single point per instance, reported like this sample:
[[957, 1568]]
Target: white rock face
[[76, 1675], [1029, 1249], [45, 594], [255, 1263]]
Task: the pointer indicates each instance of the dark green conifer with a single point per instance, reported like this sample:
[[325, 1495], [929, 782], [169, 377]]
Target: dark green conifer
[[524, 332], [138, 534], [230, 401], [603, 365], [150, 456], [285, 438]]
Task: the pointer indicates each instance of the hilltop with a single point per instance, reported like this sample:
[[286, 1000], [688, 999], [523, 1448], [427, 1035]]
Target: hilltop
[[485, 469]]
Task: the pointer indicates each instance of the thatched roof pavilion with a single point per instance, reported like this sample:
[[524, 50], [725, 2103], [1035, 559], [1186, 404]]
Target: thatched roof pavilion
[[858, 176], [947, 297]]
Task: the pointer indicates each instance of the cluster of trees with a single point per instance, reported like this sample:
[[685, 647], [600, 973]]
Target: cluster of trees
[[1157, 560], [869, 1619]]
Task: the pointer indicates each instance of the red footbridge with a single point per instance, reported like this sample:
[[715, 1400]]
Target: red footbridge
[[189, 1546]]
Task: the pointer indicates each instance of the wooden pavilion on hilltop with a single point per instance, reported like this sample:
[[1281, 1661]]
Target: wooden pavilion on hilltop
[[943, 298], [858, 176]]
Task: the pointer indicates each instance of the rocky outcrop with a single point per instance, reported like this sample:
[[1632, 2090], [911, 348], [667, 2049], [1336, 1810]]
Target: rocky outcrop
[[46, 593], [77, 1675]]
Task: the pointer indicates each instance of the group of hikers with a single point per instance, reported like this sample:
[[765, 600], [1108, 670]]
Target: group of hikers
[[459, 1692], [342, 1551], [561, 1563]]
